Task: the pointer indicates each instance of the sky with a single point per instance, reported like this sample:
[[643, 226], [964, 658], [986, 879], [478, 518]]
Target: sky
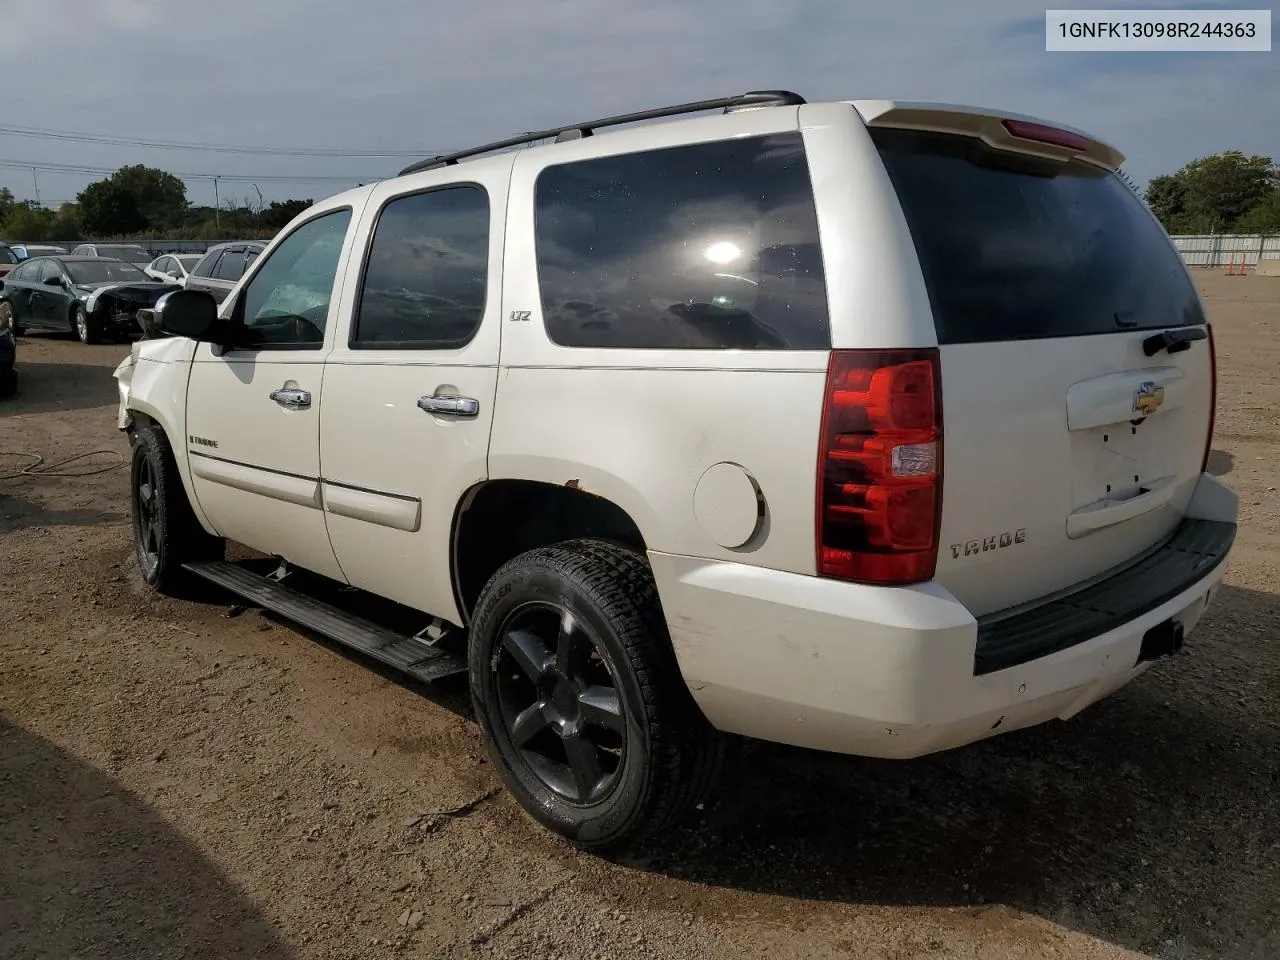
[[421, 77]]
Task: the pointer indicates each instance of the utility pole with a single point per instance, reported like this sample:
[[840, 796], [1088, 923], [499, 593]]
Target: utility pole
[[36, 180], [217, 206]]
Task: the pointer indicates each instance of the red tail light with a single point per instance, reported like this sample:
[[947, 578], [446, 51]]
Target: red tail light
[[880, 466], [1040, 133], [1213, 398]]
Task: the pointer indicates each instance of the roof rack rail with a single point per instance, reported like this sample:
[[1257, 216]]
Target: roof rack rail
[[574, 131]]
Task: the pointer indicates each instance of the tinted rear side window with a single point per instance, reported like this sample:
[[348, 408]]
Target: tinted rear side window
[[1016, 248], [708, 246], [205, 267], [231, 266]]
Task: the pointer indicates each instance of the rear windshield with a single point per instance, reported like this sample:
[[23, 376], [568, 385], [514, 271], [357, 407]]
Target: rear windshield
[[102, 271], [131, 254], [1017, 248]]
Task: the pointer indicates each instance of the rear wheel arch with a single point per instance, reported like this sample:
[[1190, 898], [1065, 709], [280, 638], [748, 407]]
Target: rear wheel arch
[[498, 520]]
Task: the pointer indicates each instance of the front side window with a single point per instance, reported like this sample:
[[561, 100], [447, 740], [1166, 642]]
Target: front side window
[[7, 255], [286, 303], [425, 279], [49, 270], [707, 246]]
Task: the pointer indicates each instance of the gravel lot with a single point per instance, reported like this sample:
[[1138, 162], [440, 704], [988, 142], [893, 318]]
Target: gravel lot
[[179, 782]]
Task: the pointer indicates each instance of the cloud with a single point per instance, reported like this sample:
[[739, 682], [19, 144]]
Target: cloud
[[402, 74]]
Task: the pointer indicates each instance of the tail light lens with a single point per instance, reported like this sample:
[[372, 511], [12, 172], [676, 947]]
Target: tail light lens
[[1213, 398], [880, 467]]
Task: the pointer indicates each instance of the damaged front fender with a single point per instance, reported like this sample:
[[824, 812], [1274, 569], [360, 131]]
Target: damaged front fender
[[124, 381]]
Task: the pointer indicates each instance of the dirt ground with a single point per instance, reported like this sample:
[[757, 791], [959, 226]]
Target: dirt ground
[[179, 782]]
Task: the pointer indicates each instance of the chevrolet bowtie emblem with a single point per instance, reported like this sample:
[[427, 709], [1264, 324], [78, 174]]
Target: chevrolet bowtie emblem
[[1147, 398]]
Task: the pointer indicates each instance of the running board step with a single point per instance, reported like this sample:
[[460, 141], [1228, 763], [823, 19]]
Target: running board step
[[404, 653]]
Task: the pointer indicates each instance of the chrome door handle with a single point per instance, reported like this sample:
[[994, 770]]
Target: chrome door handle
[[450, 406], [291, 398]]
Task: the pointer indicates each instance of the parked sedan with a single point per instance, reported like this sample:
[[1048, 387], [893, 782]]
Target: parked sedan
[[26, 251], [222, 266], [172, 267], [92, 297], [8, 259]]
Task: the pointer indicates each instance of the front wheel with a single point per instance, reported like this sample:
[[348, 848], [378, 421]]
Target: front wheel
[[579, 697], [166, 533], [84, 326]]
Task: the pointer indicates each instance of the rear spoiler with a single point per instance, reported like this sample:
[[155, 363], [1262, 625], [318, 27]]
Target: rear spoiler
[[1003, 131]]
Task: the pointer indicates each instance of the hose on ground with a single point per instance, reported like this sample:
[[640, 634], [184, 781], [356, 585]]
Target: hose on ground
[[38, 468]]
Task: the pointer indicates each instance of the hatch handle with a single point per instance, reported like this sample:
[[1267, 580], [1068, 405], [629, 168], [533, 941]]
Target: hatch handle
[[1174, 341]]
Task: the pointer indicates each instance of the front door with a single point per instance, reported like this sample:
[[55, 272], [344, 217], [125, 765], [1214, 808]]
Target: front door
[[253, 411], [50, 302], [409, 392]]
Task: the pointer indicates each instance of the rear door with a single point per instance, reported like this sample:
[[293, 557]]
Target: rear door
[[1073, 436], [18, 289], [409, 389], [198, 279]]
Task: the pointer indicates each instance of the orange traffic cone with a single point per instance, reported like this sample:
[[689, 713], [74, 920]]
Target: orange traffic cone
[[1231, 267]]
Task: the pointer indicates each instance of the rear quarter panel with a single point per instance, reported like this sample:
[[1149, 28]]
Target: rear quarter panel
[[642, 427]]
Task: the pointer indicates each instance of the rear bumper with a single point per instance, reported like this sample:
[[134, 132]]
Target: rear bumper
[[898, 672]]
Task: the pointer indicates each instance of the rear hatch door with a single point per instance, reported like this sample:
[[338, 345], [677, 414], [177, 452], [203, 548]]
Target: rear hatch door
[[1076, 366]]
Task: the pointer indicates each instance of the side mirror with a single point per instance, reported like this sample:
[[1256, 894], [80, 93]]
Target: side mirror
[[187, 313], [53, 281]]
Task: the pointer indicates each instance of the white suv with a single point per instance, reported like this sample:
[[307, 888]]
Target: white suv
[[576, 409]]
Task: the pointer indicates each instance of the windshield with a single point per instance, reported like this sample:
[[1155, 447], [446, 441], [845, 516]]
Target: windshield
[[101, 271], [1016, 248], [7, 255]]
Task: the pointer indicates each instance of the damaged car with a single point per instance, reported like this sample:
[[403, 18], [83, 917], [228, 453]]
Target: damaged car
[[93, 297]]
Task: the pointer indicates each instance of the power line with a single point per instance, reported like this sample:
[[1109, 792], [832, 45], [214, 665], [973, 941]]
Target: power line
[[46, 134], [79, 169]]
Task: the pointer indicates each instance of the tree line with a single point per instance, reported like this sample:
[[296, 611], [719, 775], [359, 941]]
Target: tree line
[[1227, 192], [141, 201], [1224, 193]]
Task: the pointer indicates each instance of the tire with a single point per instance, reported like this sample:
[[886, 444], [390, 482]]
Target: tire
[[84, 326], [644, 753], [166, 533]]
